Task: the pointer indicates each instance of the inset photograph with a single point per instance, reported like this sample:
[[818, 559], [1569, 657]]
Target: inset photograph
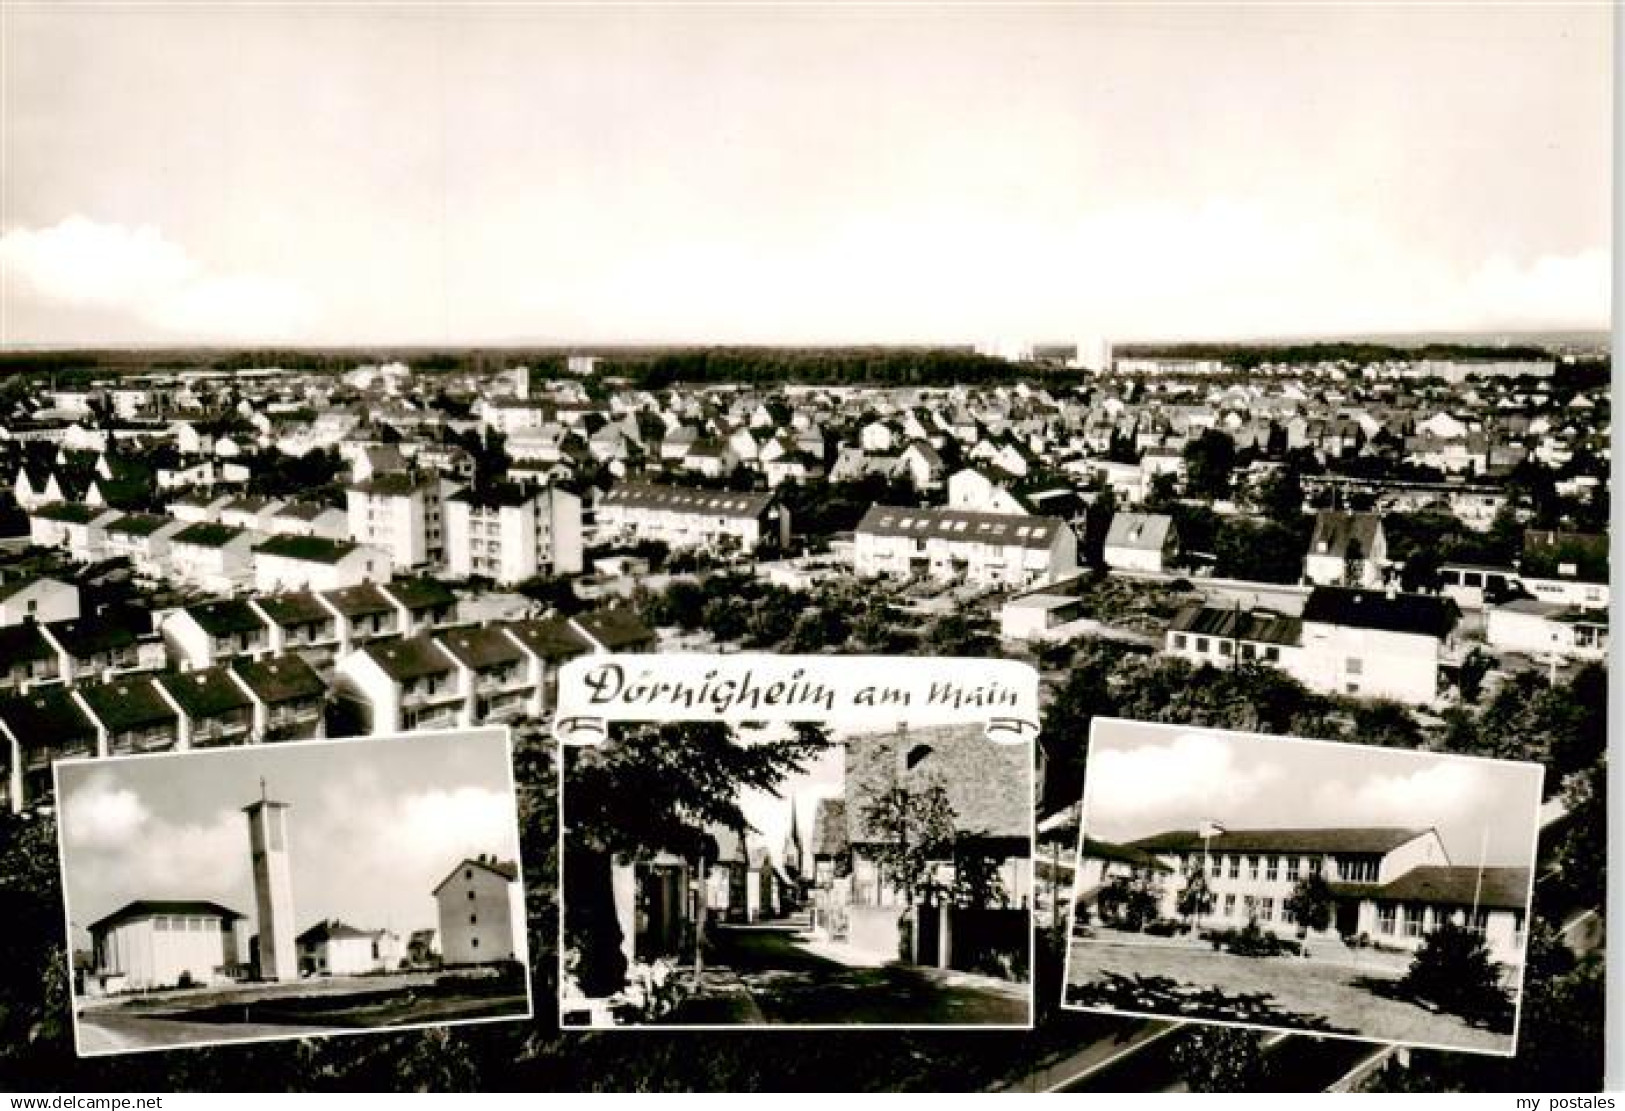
[[282, 891], [1303, 886], [739, 878]]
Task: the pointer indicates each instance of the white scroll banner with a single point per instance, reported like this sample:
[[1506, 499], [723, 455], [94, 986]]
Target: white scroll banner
[[848, 691]]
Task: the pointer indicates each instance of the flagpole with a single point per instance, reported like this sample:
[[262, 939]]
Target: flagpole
[[1478, 880]]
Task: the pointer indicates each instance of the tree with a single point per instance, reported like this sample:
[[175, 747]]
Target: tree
[[1310, 903], [1452, 969], [911, 828], [1261, 551], [957, 634], [1280, 496], [1209, 461], [1475, 667], [1195, 897], [685, 778], [1130, 902], [1219, 1059]]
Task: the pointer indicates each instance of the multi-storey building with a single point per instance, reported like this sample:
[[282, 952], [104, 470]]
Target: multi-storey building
[[509, 533], [403, 514]]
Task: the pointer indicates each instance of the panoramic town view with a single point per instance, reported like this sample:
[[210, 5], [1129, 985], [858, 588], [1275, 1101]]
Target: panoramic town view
[[1256, 392]]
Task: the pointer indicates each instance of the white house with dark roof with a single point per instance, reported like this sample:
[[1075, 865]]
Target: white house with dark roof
[[1374, 644], [482, 913], [194, 508], [287, 695], [688, 517], [206, 633], [80, 530], [496, 675], [299, 622], [129, 716], [303, 518], [980, 549], [37, 598], [316, 563], [1346, 549], [212, 557], [250, 513], [41, 726], [212, 708], [391, 686], [1367, 643], [335, 948], [1141, 542], [143, 539], [1544, 630]]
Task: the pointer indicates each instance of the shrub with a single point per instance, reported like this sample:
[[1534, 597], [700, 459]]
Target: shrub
[[1452, 970]]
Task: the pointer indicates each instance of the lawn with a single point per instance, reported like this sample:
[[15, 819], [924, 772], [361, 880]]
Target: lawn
[[1281, 992]]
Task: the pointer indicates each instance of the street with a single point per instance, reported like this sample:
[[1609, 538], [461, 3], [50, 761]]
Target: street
[[768, 975]]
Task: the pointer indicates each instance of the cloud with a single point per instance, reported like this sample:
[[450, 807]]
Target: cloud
[[1439, 794], [101, 816], [1144, 788], [117, 847], [139, 274]]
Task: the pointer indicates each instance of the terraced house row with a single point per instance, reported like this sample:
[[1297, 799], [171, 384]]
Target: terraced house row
[[289, 668]]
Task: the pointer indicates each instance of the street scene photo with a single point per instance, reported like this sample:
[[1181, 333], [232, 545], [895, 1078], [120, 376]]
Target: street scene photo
[[1304, 886], [788, 878], [258, 893]]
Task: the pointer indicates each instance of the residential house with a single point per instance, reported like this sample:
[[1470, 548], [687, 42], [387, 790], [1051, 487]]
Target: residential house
[[37, 599], [144, 539], [482, 913], [114, 642], [80, 530], [288, 697], [27, 659], [685, 517], [1141, 542], [1547, 630], [334, 948], [212, 707], [495, 673], [130, 716], [303, 518], [404, 514], [362, 613], [316, 563], [1346, 549], [212, 557], [393, 686], [986, 550], [300, 623], [39, 727], [206, 633]]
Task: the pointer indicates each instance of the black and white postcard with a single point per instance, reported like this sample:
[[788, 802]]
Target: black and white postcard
[[1304, 886], [273, 892]]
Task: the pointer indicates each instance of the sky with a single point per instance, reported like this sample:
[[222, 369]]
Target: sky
[[1144, 779], [713, 174], [375, 825]]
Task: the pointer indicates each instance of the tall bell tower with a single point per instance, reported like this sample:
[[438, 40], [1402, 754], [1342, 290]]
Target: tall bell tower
[[273, 887]]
